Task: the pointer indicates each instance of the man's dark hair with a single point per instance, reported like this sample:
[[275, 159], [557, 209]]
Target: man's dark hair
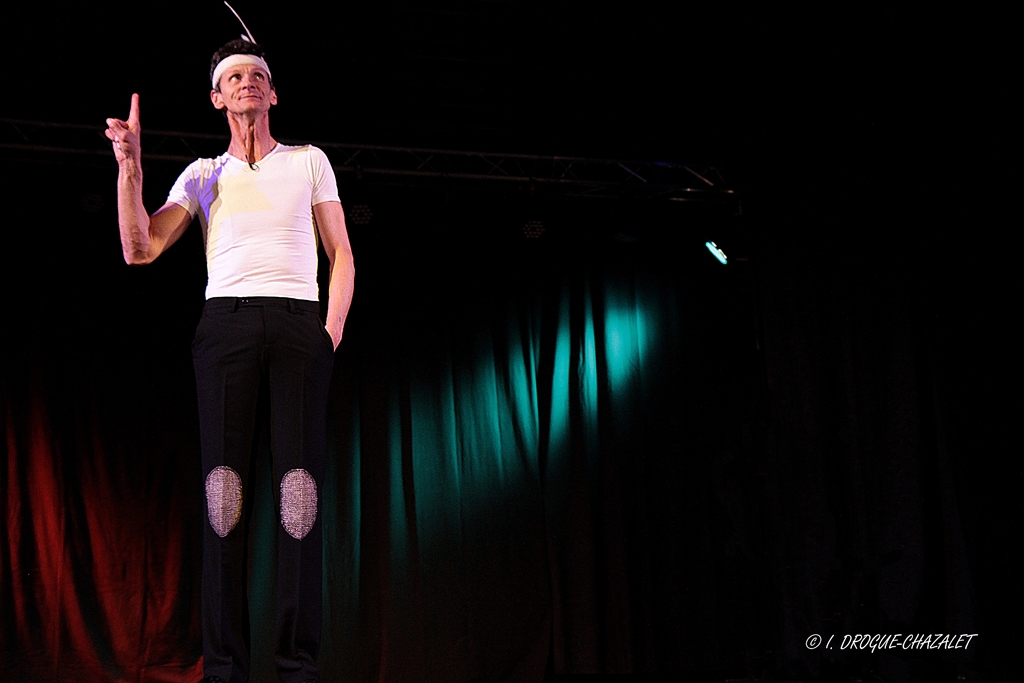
[[236, 47]]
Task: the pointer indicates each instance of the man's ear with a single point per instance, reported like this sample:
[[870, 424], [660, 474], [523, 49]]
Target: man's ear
[[217, 99], [273, 96]]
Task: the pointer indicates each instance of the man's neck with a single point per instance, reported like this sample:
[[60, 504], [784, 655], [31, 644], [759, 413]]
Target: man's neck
[[250, 137]]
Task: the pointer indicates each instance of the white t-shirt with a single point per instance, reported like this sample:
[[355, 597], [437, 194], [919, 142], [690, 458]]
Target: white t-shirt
[[258, 225]]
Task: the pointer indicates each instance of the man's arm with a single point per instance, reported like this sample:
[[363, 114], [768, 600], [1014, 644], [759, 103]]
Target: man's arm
[[330, 221], [143, 237]]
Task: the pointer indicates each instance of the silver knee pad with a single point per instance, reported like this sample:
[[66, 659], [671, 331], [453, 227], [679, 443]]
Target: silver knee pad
[[298, 503], [223, 499]]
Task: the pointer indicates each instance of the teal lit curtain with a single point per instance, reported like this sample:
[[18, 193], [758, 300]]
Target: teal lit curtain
[[468, 487], [496, 444]]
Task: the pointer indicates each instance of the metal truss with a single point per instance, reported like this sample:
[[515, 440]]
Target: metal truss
[[577, 176]]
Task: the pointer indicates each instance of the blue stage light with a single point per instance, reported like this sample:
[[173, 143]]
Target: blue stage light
[[718, 253]]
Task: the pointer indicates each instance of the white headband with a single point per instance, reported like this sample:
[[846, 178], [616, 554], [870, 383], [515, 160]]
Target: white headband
[[235, 60]]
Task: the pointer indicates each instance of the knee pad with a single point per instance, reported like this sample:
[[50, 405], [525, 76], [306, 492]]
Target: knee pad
[[298, 503], [223, 499]]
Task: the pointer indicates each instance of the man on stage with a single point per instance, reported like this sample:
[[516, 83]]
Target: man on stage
[[262, 207]]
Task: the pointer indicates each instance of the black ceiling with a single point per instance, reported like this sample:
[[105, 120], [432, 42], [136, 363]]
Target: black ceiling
[[691, 83]]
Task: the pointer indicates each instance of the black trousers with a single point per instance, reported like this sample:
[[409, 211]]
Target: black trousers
[[240, 346]]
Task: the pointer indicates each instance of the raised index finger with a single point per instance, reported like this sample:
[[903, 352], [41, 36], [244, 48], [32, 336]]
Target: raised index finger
[[133, 113]]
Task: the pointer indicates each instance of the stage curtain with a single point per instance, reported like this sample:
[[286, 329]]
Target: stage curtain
[[593, 453], [485, 508]]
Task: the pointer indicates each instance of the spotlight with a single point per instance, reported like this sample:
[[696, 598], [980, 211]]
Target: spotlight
[[716, 252]]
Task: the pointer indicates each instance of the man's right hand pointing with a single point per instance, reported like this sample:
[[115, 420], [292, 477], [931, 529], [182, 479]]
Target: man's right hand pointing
[[125, 134]]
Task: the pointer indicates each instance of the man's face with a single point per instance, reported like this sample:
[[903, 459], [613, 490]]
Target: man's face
[[244, 89]]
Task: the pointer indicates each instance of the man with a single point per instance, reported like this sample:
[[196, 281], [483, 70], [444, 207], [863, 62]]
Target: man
[[262, 206]]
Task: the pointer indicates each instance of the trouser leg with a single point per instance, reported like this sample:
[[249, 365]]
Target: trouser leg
[[300, 359], [228, 357]]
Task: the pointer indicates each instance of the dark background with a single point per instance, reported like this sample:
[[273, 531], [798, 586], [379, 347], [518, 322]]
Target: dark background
[[819, 443]]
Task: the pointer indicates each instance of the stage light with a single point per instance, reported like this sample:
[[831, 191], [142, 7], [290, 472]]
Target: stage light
[[716, 252]]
